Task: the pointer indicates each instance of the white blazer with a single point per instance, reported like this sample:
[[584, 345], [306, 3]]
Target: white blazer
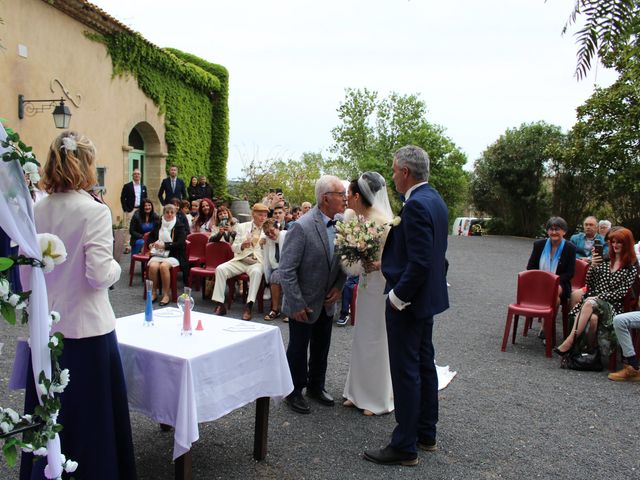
[[269, 254], [78, 288], [242, 233]]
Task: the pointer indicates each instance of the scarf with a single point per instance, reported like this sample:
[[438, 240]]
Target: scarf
[[165, 230], [547, 263]]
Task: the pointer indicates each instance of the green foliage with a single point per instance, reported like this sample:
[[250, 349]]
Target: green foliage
[[609, 25], [193, 95], [508, 178], [297, 178], [372, 129]]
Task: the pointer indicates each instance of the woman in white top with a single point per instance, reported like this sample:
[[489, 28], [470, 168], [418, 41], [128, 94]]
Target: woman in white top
[[94, 409]]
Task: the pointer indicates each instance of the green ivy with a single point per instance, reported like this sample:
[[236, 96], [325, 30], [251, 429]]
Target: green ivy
[[193, 95]]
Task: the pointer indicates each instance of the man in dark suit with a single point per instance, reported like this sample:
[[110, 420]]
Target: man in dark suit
[[172, 187], [413, 263], [311, 280], [132, 195]]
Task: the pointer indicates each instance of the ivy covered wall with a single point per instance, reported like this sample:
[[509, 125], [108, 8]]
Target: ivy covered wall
[[193, 95]]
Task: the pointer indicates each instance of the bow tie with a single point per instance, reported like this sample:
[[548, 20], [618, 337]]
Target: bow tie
[[402, 199], [331, 223]]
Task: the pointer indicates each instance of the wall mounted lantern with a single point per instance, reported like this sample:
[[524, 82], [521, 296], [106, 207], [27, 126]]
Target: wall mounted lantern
[[61, 113]]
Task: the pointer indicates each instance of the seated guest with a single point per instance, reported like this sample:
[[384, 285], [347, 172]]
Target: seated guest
[[556, 255], [224, 228], [622, 324], [607, 285], [205, 220], [168, 236], [604, 226], [306, 206], [584, 241], [144, 220], [185, 208], [247, 259], [195, 204], [278, 215], [272, 246], [180, 216]]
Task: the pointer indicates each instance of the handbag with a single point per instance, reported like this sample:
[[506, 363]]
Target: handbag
[[586, 362]]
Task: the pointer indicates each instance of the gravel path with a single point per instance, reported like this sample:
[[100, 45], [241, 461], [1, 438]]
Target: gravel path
[[506, 415]]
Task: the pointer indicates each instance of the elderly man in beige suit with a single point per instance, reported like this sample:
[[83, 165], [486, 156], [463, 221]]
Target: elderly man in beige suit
[[247, 259]]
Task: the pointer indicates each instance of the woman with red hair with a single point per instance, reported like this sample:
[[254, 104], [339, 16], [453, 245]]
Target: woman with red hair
[[205, 220], [607, 285]]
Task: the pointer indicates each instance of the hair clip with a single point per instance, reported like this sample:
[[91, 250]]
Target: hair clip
[[69, 144]]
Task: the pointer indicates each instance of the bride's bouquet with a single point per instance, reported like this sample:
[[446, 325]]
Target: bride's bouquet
[[357, 242]]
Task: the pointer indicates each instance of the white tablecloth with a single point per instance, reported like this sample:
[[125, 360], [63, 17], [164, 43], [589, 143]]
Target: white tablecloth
[[183, 380]]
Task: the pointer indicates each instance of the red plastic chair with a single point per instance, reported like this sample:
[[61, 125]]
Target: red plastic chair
[[215, 254], [578, 281], [536, 298], [197, 248], [142, 257]]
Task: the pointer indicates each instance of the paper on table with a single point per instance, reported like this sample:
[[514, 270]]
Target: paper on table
[[246, 328], [167, 312]]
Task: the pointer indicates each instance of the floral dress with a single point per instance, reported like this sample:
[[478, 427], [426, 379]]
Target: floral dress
[[609, 288]]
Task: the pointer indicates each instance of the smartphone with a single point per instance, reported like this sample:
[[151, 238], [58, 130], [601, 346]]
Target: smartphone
[[598, 247]]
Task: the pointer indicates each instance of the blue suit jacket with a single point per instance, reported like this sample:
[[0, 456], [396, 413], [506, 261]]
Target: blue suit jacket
[[165, 193], [413, 258]]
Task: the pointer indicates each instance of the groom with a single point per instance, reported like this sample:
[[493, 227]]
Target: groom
[[413, 265]]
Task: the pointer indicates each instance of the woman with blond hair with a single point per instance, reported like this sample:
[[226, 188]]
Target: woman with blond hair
[[607, 285], [94, 409]]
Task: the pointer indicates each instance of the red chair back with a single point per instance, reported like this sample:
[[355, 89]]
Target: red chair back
[[145, 246], [217, 253], [580, 276], [198, 243], [537, 288]]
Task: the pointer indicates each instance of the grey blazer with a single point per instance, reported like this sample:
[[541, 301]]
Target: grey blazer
[[307, 272]]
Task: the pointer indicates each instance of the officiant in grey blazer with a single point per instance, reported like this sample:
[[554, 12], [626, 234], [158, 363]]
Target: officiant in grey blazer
[[311, 283]]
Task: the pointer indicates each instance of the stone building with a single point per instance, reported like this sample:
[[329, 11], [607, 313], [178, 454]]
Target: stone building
[[143, 106]]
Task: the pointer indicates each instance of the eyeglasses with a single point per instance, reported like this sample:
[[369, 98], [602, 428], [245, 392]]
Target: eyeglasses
[[342, 194]]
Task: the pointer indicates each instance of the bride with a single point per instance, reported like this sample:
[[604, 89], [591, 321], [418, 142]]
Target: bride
[[368, 386]]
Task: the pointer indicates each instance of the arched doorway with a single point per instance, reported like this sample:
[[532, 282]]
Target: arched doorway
[[137, 154]]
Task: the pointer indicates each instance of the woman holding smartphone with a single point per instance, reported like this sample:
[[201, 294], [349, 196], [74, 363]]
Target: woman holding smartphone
[[607, 285]]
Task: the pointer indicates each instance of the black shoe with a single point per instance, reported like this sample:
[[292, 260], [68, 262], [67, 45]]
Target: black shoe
[[297, 403], [427, 444], [390, 456], [321, 396]]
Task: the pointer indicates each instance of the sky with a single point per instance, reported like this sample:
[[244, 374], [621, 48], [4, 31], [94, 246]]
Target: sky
[[481, 66]]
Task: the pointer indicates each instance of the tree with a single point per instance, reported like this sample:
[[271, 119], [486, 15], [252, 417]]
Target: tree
[[297, 178], [371, 129], [609, 26], [508, 181]]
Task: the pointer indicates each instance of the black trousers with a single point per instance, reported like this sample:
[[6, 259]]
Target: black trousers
[[315, 338]]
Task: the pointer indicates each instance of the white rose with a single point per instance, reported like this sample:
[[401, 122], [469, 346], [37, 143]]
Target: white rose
[[43, 390], [396, 221], [27, 448], [70, 466], [48, 264], [51, 246], [40, 452], [54, 340], [14, 300], [28, 418], [4, 287], [5, 427], [65, 376], [30, 168], [55, 316], [13, 415]]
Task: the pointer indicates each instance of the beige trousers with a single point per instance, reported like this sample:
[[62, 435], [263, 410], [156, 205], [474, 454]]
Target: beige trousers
[[233, 268]]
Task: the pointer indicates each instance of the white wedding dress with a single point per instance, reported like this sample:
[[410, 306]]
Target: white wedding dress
[[368, 383]]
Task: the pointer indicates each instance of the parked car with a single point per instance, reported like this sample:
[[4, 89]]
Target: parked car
[[469, 226]]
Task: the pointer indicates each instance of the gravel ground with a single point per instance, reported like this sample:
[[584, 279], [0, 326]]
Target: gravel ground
[[506, 415]]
